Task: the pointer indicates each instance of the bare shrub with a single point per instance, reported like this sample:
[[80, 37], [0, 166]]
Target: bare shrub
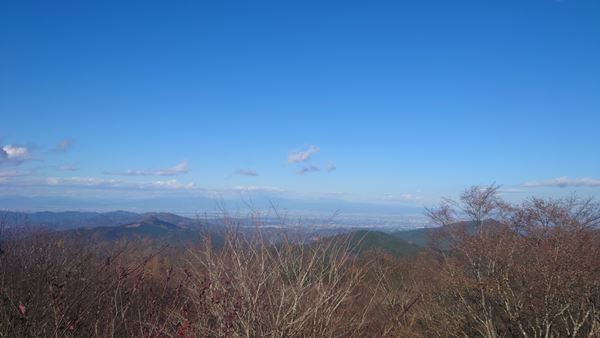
[[253, 289], [54, 285], [533, 272]]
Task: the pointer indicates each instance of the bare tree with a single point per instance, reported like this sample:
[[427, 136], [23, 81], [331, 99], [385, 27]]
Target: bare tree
[[529, 270]]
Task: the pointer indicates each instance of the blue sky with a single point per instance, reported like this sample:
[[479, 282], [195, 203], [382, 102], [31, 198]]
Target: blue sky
[[390, 102]]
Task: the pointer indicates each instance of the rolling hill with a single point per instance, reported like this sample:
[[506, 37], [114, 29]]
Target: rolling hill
[[67, 220], [366, 240], [150, 227], [417, 237]]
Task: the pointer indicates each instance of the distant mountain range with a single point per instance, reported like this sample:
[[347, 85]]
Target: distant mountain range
[[172, 228], [67, 220], [192, 204], [154, 227]]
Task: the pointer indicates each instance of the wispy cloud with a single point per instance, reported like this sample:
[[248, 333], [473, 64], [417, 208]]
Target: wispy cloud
[[83, 182], [252, 188], [96, 182], [303, 155], [410, 197], [179, 169], [406, 197], [563, 182], [330, 166], [5, 176], [505, 191], [334, 194], [246, 172], [172, 184], [68, 168], [308, 169], [63, 146], [14, 153]]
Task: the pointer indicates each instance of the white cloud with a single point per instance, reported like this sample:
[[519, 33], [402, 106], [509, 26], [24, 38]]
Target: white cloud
[[14, 153], [563, 182], [302, 156], [409, 197], [171, 184], [307, 169], [95, 182], [402, 197], [387, 197], [180, 168], [252, 188], [330, 166], [83, 182], [246, 172]]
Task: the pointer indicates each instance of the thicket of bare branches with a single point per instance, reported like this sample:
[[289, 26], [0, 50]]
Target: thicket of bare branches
[[56, 286], [251, 289], [492, 270], [528, 270]]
